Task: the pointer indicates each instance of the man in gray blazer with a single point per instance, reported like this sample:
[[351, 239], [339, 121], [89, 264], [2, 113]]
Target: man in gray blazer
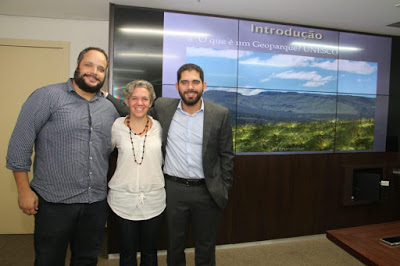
[[198, 169]]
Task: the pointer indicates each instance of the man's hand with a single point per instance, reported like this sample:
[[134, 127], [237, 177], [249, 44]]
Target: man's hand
[[105, 93], [28, 201]]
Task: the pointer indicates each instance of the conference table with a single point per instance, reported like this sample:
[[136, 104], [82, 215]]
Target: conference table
[[363, 242]]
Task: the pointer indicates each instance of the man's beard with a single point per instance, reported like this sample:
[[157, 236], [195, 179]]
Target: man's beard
[[192, 101], [83, 85]]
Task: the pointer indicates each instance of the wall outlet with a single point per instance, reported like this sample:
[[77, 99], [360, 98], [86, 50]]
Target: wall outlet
[[384, 183]]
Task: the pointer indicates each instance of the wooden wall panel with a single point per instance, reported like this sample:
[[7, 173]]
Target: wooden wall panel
[[279, 196]]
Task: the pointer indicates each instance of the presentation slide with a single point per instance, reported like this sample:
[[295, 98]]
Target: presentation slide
[[289, 89]]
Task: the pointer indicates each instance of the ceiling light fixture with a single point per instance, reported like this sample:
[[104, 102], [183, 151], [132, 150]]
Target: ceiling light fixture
[[162, 32], [146, 55], [128, 70]]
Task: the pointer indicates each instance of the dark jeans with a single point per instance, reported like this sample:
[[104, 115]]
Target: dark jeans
[[134, 236], [185, 205], [79, 225]]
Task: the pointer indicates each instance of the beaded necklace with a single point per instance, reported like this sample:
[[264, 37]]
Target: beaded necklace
[[144, 141]]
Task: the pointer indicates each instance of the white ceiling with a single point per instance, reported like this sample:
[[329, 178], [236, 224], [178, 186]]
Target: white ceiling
[[369, 16]]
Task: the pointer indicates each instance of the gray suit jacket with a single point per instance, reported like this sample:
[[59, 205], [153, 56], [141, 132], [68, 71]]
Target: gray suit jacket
[[217, 142]]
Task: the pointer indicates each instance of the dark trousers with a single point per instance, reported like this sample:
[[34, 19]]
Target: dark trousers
[[193, 204], [134, 236], [79, 225]]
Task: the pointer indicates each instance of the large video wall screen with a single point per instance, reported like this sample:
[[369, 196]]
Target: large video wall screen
[[289, 89]]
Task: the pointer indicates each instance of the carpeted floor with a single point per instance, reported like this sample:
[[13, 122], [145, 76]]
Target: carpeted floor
[[17, 250]]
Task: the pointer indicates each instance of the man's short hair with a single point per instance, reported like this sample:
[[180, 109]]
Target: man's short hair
[[84, 51], [191, 67]]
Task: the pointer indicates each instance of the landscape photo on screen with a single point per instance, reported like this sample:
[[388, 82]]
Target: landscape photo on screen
[[288, 89]]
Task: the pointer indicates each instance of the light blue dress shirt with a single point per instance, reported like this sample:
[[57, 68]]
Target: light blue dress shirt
[[184, 144]]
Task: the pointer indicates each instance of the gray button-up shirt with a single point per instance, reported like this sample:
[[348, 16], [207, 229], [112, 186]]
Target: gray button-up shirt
[[72, 140]]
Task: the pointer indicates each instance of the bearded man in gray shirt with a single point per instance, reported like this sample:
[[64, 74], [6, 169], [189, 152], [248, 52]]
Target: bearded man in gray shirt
[[69, 125]]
